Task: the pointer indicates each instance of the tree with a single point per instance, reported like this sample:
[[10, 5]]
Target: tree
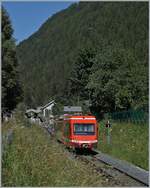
[[119, 81], [11, 86], [80, 74]]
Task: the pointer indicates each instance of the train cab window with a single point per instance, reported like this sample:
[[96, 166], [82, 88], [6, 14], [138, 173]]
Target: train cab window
[[84, 129], [67, 129]]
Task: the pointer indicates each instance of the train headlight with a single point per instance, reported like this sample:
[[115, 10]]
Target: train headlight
[[85, 145]]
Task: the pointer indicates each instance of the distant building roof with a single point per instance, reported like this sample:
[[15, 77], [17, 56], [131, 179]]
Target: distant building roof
[[72, 109], [48, 104], [39, 107], [33, 110]]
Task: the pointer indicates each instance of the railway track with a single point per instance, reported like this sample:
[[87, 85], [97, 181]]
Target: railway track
[[119, 172], [123, 177], [129, 169], [122, 173]]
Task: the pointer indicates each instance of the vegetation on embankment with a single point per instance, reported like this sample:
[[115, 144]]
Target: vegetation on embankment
[[127, 142], [35, 159]]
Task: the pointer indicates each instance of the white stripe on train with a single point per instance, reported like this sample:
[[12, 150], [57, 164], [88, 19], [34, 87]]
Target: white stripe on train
[[84, 141], [79, 118]]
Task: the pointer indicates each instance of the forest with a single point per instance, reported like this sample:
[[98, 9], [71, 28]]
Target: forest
[[93, 53]]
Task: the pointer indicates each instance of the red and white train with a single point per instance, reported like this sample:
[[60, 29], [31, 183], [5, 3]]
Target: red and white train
[[80, 131]]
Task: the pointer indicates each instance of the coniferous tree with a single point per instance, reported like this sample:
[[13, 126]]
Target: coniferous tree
[[11, 86], [80, 74]]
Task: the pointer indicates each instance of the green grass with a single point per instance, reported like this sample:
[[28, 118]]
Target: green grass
[[128, 142], [35, 159]]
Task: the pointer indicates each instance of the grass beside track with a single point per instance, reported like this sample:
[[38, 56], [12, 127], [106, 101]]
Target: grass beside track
[[127, 142], [35, 159]]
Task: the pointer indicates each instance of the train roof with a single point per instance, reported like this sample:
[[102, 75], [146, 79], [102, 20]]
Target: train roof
[[72, 109]]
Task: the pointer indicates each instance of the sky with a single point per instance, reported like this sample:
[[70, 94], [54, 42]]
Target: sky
[[27, 17]]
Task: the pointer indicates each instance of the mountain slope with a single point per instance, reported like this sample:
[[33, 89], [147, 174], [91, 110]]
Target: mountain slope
[[46, 57]]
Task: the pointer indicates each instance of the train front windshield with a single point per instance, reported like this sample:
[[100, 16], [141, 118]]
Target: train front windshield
[[84, 129]]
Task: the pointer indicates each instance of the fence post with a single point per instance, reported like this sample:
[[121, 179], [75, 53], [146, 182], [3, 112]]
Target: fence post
[[108, 134]]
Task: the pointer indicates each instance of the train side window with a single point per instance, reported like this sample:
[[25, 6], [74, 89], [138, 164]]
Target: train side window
[[67, 129]]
